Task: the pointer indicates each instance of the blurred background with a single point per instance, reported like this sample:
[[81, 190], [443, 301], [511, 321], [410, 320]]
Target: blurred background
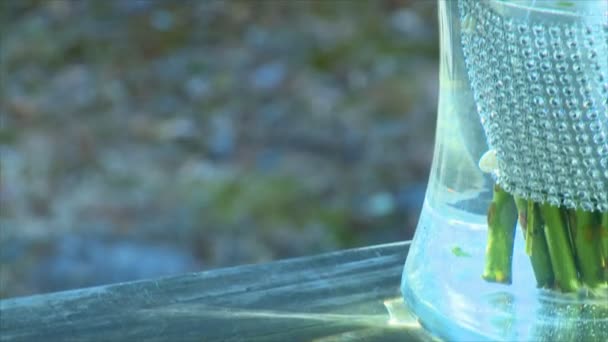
[[148, 138]]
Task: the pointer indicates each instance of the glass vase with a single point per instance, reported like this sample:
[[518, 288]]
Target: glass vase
[[511, 241]]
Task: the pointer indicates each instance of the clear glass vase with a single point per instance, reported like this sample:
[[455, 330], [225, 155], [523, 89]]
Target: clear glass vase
[[523, 105]]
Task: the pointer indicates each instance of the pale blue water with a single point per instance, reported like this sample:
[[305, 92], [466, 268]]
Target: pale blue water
[[445, 289]]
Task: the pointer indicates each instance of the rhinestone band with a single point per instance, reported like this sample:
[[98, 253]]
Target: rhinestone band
[[541, 92]]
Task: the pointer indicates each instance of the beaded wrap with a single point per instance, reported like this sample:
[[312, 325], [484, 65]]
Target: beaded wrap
[[541, 92]]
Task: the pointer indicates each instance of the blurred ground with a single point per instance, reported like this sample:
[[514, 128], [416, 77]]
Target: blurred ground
[[144, 138]]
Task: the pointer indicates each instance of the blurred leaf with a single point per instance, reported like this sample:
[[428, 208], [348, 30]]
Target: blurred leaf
[[459, 252]]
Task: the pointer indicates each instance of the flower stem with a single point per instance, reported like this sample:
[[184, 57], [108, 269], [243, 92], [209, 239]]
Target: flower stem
[[502, 220], [585, 228], [560, 250], [536, 244], [604, 243]]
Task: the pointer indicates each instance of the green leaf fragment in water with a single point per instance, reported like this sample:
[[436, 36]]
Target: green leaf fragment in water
[[459, 252], [565, 4]]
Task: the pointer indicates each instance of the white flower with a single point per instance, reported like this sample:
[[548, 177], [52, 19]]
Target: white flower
[[488, 162]]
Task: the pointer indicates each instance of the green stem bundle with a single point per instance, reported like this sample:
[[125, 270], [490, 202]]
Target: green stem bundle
[[568, 249]]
